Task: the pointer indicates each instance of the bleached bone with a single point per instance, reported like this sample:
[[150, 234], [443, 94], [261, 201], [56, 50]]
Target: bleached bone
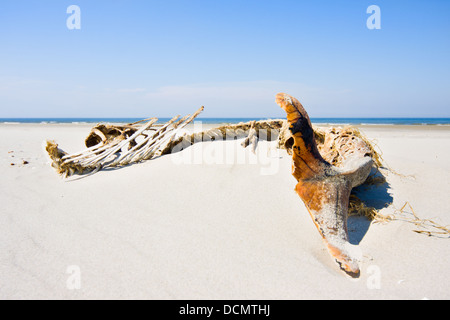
[[115, 148], [252, 138], [270, 128], [133, 154]]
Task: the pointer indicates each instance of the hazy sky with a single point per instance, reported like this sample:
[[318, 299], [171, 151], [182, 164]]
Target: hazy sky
[[161, 58]]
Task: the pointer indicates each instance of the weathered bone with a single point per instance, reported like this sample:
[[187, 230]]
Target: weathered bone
[[135, 153], [111, 146], [324, 188], [252, 132], [252, 138]]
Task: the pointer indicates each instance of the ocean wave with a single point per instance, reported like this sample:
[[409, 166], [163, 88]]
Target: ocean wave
[[332, 123], [48, 122], [377, 124]]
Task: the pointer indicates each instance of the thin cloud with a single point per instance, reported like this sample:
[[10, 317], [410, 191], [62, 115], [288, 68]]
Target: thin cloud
[[132, 90]]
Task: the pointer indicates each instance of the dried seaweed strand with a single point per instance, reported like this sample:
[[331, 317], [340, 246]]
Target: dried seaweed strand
[[425, 226]]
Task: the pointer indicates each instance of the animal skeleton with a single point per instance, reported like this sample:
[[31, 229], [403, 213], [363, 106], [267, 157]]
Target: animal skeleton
[[326, 163]]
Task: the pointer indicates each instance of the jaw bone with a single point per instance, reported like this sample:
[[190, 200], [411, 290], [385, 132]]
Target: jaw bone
[[325, 189]]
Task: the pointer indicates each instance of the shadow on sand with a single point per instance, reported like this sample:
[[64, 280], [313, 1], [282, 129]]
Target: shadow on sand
[[376, 196]]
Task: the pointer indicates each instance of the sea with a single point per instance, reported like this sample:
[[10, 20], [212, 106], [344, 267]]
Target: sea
[[317, 121]]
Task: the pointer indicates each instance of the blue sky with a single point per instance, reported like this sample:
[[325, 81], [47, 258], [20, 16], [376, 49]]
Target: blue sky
[[161, 58]]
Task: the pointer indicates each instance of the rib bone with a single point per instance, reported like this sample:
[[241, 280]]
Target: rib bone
[[111, 146]]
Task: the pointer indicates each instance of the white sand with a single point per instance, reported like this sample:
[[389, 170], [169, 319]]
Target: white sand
[[170, 229]]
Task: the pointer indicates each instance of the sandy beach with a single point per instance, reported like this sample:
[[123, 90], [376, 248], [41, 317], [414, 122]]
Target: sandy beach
[[211, 222]]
